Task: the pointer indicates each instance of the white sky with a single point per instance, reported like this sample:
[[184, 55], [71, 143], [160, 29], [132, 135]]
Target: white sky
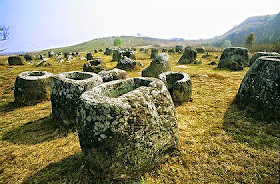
[[41, 24]]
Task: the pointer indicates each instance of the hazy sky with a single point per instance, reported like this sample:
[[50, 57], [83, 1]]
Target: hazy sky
[[42, 24]]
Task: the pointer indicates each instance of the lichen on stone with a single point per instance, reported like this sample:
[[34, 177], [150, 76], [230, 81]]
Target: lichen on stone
[[179, 85], [234, 58], [260, 88], [159, 64], [66, 89], [126, 126], [32, 87]]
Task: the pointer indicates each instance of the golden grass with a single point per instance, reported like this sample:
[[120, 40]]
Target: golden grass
[[218, 143]]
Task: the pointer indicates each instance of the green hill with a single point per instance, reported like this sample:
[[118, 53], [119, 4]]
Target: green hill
[[127, 41], [266, 29]]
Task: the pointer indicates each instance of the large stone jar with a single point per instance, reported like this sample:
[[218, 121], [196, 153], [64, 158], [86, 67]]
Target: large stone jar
[[32, 87], [66, 89], [125, 127]]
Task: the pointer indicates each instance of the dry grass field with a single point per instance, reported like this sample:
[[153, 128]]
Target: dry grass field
[[218, 143]]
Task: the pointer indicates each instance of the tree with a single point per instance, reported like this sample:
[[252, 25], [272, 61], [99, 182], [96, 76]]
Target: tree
[[250, 40], [117, 42], [4, 34]]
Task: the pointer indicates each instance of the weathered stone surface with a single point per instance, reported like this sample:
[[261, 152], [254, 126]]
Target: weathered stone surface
[[120, 54], [70, 57], [128, 64], [32, 87], [61, 61], [16, 60], [141, 49], [188, 57], [260, 88], [51, 54], [125, 127], [66, 54], [28, 57], [117, 55], [179, 85], [234, 58], [38, 56], [154, 53], [96, 65], [76, 54], [66, 89], [43, 63], [128, 54], [40, 63], [187, 48], [159, 64], [179, 48], [200, 49], [115, 74], [59, 57], [89, 56], [108, 51], [260, 54]]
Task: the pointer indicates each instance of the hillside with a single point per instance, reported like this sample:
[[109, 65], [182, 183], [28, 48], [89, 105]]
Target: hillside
[[127, 41], [266, 29]]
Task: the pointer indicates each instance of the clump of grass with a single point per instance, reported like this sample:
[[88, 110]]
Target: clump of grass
[[217, 142]]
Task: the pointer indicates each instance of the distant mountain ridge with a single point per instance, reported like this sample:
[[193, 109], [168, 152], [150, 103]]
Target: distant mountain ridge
[[266, 29]]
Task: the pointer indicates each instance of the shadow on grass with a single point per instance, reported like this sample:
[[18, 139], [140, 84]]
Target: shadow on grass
[[8, 107], [243, 127], [44, 129], [70, 170]]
